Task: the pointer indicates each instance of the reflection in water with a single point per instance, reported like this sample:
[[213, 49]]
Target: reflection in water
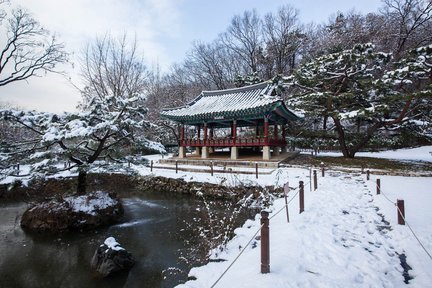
[[153, 231]]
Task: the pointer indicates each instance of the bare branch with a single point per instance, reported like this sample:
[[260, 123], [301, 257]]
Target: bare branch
[[29, 49]]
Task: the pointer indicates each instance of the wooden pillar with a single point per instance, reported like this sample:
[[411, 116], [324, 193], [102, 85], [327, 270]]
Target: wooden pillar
[[301, 196], [266, 147], [276, 149], [198, 148], [378, 184], [401, 211], [265, 243], [181, 132], [257, 134], [211, 139], [315, 180], [234, 148], [234, 131], [182, 148], [205, 134], [284, 148], [205, 150]]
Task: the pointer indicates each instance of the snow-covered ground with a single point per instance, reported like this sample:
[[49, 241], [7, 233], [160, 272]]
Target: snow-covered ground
[[339, 241], [423, 153]]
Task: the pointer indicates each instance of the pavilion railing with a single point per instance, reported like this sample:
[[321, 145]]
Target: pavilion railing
[[229, 142]]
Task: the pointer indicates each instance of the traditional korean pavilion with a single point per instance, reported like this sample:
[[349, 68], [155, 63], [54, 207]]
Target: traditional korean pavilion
[[255, 106]]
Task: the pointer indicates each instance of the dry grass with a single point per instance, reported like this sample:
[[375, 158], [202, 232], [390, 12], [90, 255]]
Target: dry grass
[[366, 162]]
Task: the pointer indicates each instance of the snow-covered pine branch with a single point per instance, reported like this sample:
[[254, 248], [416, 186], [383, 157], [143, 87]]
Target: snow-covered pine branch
[[86, 139], [361, 90]]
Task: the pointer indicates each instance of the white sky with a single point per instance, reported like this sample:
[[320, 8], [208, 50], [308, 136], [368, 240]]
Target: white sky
[[164, 30]]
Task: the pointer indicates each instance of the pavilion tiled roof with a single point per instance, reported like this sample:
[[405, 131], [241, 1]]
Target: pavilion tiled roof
[[238, 103]]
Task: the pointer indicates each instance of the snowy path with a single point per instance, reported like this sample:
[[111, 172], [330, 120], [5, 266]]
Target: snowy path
[[340, 240]]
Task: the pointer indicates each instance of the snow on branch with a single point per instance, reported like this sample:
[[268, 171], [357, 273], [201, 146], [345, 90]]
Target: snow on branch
[[83, 139]]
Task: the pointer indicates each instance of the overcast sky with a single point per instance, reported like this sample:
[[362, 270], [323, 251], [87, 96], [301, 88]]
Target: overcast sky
[[164, 30]]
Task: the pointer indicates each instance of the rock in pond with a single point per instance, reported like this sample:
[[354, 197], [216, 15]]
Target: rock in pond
[[83, 212], [110, 258]]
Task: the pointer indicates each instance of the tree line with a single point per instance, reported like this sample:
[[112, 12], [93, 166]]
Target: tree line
[[356, 79], [254, 48]]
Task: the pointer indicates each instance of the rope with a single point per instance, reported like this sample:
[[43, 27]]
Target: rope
[[388, 199], [415, 235], [385, 196], [253, 237], [406, 222], [285, 205], [238, 256]]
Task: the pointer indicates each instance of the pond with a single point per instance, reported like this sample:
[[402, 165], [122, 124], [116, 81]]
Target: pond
[[159, 233]]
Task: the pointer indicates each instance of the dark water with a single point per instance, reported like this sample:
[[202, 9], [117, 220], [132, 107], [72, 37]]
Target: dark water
[[155, 231]]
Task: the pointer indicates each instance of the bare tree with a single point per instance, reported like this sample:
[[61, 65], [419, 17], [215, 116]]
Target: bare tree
[[409, 24], [112, 68], [244, 38], [113, 111], [2, 11], [28, 48], [283, 34], [212, 65], [171, 90]]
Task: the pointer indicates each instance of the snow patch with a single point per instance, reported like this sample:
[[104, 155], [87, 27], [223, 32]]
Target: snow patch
[[89, 204], [112, 244]]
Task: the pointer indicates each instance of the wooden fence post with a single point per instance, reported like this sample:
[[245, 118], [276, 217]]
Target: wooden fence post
[[301, 196], [151, 166], [378, 184], [322, 171], [176, 167], [256, 170], [265, 243], [401, 211], [367, 174], [286, 191], [211, 168], [310, 179], [315, 180]]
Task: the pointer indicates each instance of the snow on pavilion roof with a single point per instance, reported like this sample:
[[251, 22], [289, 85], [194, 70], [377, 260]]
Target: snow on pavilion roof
[[249, 102]]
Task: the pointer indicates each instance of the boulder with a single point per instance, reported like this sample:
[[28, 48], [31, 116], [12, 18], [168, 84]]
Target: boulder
[[110, 258], [83, 212]]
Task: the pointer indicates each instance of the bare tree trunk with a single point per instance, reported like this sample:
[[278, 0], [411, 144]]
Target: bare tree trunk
[[325, 122], [82, 182], [341, 139]]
